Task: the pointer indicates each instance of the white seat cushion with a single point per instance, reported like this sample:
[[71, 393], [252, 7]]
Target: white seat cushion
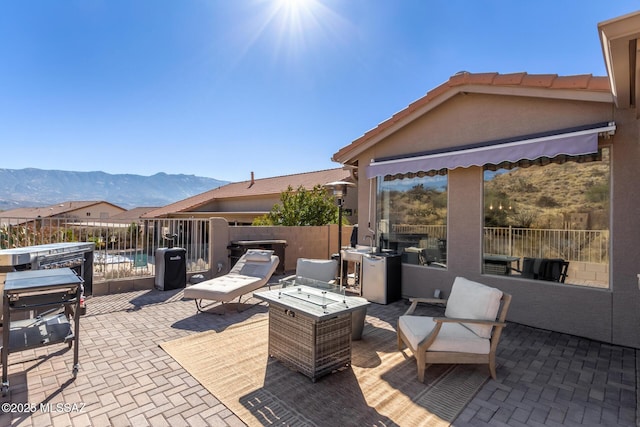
[[252, 271], [452, 336], [473, 300], [224, 288]]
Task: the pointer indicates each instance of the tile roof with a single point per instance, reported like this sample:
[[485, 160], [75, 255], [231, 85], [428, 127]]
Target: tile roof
[[253, 188], [491, 81], [132, 214], [51, 210]]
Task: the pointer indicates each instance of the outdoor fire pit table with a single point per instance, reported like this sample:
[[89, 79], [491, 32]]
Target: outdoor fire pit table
[[310, 328]]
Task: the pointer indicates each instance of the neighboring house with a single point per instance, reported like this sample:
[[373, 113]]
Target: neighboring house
[[459, 166], [76, 210], [241, 202], [132, 215]]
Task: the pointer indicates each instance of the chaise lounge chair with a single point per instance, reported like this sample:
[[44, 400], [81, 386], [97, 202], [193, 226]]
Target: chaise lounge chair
[[252, 271]]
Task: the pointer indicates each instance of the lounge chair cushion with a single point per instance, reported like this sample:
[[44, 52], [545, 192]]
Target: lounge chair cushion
[[252, 271], [224, 288], [255, 269], [473, 300], [258, 255], [254, 262], [452, 336]]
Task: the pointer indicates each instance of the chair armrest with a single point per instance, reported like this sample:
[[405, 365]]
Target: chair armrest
[[414, 303], [475, 321], [429, 300], [288, 278], [439, 264]]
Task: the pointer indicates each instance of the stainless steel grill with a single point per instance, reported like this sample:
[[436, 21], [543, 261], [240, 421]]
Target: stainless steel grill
[[59, 261], [75, 255]]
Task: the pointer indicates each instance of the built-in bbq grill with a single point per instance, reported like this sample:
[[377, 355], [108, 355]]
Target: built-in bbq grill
[[75, 255], [70, 260]]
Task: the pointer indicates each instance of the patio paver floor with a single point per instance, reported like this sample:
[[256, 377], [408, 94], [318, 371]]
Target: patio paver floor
[[126, 379]]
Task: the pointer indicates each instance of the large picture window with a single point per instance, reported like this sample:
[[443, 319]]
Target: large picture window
[[412, 217], [548, 219]]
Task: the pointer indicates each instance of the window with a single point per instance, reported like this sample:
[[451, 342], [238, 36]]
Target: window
[[411, 210], [548, 219]]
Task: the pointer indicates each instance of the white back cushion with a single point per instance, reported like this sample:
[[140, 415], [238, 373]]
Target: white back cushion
[[324, 270], [255, 262], [258, 255], [473, 300]]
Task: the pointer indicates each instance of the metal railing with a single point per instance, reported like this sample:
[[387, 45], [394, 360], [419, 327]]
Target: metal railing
[[435, 231], [128, 250], [122, 250], [590, 246], [572, 245]]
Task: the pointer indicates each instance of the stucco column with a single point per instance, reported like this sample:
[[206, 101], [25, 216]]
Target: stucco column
[[218, 242]]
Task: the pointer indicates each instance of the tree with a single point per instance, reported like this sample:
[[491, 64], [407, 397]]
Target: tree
[[302, 207]]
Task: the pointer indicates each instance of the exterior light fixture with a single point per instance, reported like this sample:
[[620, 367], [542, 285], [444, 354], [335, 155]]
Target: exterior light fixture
[[339, 191]]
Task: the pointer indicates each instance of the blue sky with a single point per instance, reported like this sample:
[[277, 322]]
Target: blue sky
[[220, 88]]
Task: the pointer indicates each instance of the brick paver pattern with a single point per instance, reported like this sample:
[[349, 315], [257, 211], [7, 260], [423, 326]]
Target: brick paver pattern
[[126, 379]]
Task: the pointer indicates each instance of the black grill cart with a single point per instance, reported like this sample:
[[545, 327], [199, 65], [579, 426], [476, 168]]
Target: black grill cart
[[51, 300]]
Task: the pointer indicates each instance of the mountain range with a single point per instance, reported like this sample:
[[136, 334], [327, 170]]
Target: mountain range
[[38, 188]]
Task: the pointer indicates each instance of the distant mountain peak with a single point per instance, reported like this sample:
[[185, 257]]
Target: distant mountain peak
[[33, 187]]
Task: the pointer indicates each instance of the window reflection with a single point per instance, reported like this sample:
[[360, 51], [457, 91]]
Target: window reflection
[[412, 217], [548, 219]]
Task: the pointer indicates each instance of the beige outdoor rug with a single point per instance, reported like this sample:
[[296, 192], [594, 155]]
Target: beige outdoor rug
[[379, 389]]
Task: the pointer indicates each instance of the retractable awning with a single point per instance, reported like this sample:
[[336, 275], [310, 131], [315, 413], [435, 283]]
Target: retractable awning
[[570, 142]]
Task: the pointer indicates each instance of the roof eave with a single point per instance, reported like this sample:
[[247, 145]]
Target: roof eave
[[209, 214], [618, 38], [347, 154]]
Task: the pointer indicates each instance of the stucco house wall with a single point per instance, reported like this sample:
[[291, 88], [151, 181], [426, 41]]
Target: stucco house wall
[[451, 117], [318, 242], [471, 118], [94, 212], [625, 230], [249, 204]]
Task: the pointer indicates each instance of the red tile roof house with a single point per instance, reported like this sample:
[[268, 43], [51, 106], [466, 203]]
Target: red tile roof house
[[237, 204], [470, 126], [241, 202], [79, 210]]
